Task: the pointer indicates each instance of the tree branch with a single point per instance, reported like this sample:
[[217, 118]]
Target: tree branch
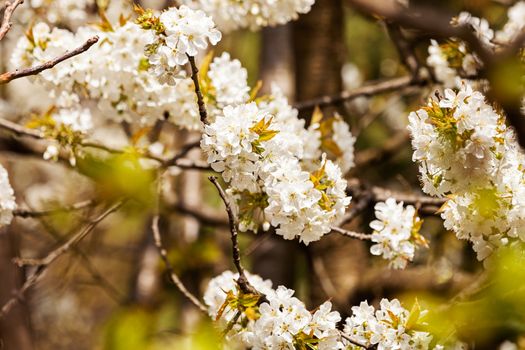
[[19, 73], [370, 89], [173, 276], [242, 281], [200, 100], [43, 264], [176, 160], [10, 7], [352, 234]]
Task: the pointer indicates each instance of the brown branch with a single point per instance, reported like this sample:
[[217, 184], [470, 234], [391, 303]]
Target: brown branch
[[370, 89], [19, 73], [110, 290], [164, 254], [185, 149], [242, 281], [354, 341], [43, 264], [382, 194], [177, 160], [206, 217], [10, 7], [233, 226], [352, 234], [173, 276], [363, 196], [19, 130], [404, 48], [376, 155], [360, 201], [424, 18], [200, 100]]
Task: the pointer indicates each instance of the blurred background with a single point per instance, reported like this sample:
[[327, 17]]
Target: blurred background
[[113, 291]]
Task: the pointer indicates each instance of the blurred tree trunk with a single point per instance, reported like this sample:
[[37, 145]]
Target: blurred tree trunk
[[276, 60], [15, 330], [318, 43], [319, 51]]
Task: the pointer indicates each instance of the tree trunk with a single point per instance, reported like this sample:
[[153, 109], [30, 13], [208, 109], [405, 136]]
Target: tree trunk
[[318, 37]]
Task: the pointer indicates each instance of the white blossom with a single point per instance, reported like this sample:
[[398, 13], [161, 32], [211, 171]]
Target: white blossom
[[258, 157], [466, 152], [386, 327], [514, 25], [280, 322], [7, 198], [396, 232], [185, 32], [253, 14]]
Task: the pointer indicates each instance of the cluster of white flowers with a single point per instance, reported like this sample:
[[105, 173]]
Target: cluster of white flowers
[[333, 137], [514, 25], [278, 323], [281, 321], [466, 152], [66, 13], [7, 198], [179, 33], [259, 156], [396, 232], [389, 327], [253, 14], [453, 59], [114, 72], [276, 171], [450, 61]]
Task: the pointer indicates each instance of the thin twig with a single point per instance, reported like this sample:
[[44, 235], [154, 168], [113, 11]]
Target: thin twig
[[110, 290], [164, 254], [10, 7], [200, 100], [19, 130], [370, 89], [390, 148], [233, 227], [19, 73], [176, 160], [173, 276], [354, 341], [185, 149], [201, 214], [352, 234], [405, 50], [242, 281], [73, 241], [43, 264]]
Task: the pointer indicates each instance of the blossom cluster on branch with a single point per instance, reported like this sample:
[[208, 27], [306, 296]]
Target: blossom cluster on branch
[[116, 72], [396, 232], [453, 61], [253, 14], [466, 152], [282, 321], [259, 155]]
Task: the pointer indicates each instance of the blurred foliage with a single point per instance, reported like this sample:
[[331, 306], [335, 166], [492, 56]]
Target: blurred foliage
[[119, 176], [487, 313]]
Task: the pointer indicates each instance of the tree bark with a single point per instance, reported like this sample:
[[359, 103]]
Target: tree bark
[[319, 52], [319, 49]]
